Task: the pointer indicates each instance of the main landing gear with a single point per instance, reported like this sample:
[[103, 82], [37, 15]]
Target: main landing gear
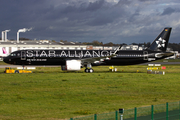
[[89, 69]]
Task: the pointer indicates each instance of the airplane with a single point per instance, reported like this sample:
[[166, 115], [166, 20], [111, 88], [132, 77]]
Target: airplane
[[72, 60]]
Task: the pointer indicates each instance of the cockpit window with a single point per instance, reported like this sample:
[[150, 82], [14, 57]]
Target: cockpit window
[[12, 54]]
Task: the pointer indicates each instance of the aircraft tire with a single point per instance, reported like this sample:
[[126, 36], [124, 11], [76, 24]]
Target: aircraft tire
[[86, 70], [91, 70]]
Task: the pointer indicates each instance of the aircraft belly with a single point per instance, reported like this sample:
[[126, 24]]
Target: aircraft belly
[[124, 61]]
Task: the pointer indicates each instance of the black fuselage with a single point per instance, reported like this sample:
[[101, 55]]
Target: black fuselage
[[59, 57]]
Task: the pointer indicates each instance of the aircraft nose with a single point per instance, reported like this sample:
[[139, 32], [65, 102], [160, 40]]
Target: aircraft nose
[[6, 60]]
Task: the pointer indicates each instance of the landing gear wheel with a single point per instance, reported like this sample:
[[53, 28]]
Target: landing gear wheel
[[86, 70], [91, 70]]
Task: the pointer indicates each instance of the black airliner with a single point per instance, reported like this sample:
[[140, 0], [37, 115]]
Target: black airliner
[[75, 59]]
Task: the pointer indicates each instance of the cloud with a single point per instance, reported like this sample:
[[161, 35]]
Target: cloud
[[144, 0], [96, 5], [120, 21], [168, 11]]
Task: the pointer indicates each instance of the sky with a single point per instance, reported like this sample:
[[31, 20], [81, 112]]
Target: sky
[[116, 21]]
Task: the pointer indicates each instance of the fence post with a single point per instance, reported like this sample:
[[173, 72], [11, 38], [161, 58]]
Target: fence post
[[167, 116], [152, 112], [135, 113], [95, 116], [116, 115]]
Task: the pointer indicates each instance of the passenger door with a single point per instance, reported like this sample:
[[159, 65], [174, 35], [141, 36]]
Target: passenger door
[[145, 55], [23, 55]]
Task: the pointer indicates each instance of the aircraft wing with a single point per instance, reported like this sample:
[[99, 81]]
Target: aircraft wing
[[92, 60]]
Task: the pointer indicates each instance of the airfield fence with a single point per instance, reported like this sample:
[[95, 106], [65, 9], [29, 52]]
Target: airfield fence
[[168, 111]]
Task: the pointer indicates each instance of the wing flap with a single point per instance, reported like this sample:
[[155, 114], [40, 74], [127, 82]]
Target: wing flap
[[92, 60]]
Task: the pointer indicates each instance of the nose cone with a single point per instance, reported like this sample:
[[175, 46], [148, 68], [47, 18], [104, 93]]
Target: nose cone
[[5, 59]]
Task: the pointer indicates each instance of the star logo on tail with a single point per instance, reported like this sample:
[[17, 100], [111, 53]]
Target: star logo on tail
[[161, 42]]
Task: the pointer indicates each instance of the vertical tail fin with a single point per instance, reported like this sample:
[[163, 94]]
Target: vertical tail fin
[[4, 51], [161, 42]]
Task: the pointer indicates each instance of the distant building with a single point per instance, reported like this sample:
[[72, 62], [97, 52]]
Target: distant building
[[132, 47], [90, 47]]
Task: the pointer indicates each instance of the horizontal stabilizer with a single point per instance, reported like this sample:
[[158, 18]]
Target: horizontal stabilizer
[[164, 54]]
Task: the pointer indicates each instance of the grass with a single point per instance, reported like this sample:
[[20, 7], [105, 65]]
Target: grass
[[3, 63], [49, 93]]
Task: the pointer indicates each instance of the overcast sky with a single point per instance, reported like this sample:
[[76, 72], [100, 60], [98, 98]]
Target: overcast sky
[[117, 21]]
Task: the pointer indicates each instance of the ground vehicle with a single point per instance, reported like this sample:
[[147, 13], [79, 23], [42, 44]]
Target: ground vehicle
[[10, 70]]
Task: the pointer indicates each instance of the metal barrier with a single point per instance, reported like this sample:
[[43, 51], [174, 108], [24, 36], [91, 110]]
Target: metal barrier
[[168, 111]]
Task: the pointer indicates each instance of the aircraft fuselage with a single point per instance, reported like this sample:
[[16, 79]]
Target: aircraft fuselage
[[59, 57]]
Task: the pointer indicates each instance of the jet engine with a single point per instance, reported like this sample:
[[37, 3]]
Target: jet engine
[[72, 65]]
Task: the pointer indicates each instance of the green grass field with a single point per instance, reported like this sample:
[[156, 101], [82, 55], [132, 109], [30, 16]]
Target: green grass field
[[49, 93]]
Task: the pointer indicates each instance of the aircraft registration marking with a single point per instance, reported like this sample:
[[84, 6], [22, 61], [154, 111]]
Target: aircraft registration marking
[[36, 59]]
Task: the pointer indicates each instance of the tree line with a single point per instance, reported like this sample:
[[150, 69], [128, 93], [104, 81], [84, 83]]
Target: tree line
[[97, 43]]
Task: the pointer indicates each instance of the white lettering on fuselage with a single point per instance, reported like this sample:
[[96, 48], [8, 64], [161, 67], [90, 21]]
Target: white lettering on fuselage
[[29, 54], [36, 60], [63, 54], [88, 54], [96, 54], [43, 54], [52, 54], [68, 53], [104, 53]]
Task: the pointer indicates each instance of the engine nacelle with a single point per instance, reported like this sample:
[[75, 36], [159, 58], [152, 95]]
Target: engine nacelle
[[72, 65]]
